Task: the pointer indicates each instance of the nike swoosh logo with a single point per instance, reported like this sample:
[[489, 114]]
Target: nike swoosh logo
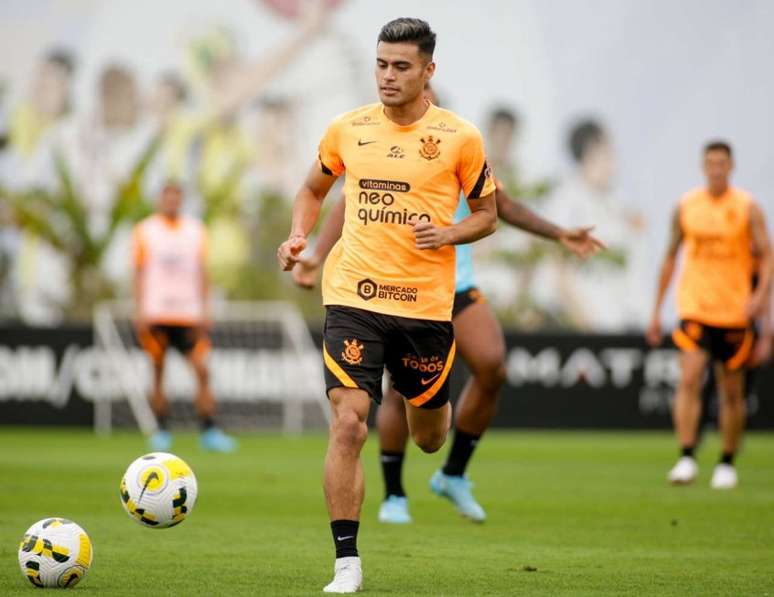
[[344, 538], [154, 476], [424, 381], [361, 143]]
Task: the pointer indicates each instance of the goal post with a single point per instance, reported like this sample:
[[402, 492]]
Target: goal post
[[264, 368]]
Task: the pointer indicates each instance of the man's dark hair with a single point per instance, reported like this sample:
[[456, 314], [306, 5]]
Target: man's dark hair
[[62, 58], [406, 30], [718, 145], [583, 135], [503, 114]]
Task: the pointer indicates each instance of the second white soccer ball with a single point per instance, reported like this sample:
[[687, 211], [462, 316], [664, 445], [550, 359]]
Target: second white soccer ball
[[158, 490], [55, 552]]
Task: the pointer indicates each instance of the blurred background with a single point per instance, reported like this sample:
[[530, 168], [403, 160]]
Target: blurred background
[[594, 113]]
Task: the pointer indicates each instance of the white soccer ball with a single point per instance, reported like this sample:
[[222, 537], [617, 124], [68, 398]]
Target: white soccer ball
[[159, 490], [55, 552]]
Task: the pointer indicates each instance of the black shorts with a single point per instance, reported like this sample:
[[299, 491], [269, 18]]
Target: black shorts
[[187, 340], [418, 353], [465, 298], [731, 346]]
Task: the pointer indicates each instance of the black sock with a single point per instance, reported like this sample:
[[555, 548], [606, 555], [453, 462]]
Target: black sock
[[345, 537], [727, 458], [392, 471], [206, 423], [163, 422], [688, 451], [460, 453]]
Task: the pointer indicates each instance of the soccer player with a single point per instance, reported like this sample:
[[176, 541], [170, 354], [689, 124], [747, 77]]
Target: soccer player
[[481, 345], [171, 298], [388, 284], [723, 231]]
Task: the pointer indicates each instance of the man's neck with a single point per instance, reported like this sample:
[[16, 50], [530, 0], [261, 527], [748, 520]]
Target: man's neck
[[718, 191], [407, 113]]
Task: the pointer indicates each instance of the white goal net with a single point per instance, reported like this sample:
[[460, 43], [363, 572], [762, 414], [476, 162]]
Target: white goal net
[[265, 371]]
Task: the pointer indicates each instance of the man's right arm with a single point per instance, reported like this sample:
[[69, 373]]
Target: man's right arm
[[653, 334], [305, 272], [306, 211]]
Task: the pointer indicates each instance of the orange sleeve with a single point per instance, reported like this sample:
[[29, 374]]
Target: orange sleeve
[[139, 252], [473, 172], [329, 156]]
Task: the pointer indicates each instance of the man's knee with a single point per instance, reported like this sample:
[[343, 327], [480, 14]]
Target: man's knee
[[691, 382], [490, 373], [429, 440], [349, 429]]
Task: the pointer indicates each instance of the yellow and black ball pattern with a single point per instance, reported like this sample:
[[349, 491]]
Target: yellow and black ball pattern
[[158, 490], [55, 552]]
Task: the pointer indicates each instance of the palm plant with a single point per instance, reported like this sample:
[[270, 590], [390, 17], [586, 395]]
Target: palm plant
[[61, 219]]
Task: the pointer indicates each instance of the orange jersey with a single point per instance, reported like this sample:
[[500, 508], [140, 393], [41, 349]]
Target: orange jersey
[[394, 174], [716, 279], [170, 256]]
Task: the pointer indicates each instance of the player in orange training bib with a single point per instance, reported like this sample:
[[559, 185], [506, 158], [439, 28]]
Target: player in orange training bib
[[171, 295], [722, 231]]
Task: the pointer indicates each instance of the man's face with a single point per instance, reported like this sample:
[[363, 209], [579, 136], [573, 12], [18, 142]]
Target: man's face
[[402, 72], [170, 201], [717, 167]]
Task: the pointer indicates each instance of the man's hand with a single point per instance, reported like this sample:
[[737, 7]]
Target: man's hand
[[429, 236], [289, 252], [653, 333], [580, 242], [305, 272], [755, 304], [761, 353]]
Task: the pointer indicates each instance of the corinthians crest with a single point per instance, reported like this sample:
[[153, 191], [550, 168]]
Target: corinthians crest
[[353, 352], [429, 149]]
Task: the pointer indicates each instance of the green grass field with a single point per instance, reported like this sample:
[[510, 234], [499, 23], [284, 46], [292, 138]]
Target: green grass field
[[569, 514]]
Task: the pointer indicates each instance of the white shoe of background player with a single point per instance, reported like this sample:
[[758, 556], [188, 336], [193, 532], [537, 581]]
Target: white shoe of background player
[[724, 477], [347, 576], [684, 472]]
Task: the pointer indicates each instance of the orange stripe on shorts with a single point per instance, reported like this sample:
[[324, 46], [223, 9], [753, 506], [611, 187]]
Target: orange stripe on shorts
[[428, 394]]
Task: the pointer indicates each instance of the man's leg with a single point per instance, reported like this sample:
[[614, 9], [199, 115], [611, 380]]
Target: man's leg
[[732, 420], [212, 437], [428, 426], [155, 345], [481, 345], [393, 432], [344, 482], [686, 413], [161, 441]]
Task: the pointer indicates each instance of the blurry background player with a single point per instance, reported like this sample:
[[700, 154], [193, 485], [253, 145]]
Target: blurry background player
[[724, 233], [171, 296], [480, 343]]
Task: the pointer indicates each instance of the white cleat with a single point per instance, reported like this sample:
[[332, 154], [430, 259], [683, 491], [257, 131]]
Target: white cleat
[[724, 477], [347, 576], [684, 472]]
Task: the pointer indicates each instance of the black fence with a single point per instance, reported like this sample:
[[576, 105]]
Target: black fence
[[52, 376]]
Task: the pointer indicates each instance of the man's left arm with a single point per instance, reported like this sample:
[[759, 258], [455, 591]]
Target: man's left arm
[[477, 183], [481, 222], [204, 281], [761, 247], [576, 240]]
